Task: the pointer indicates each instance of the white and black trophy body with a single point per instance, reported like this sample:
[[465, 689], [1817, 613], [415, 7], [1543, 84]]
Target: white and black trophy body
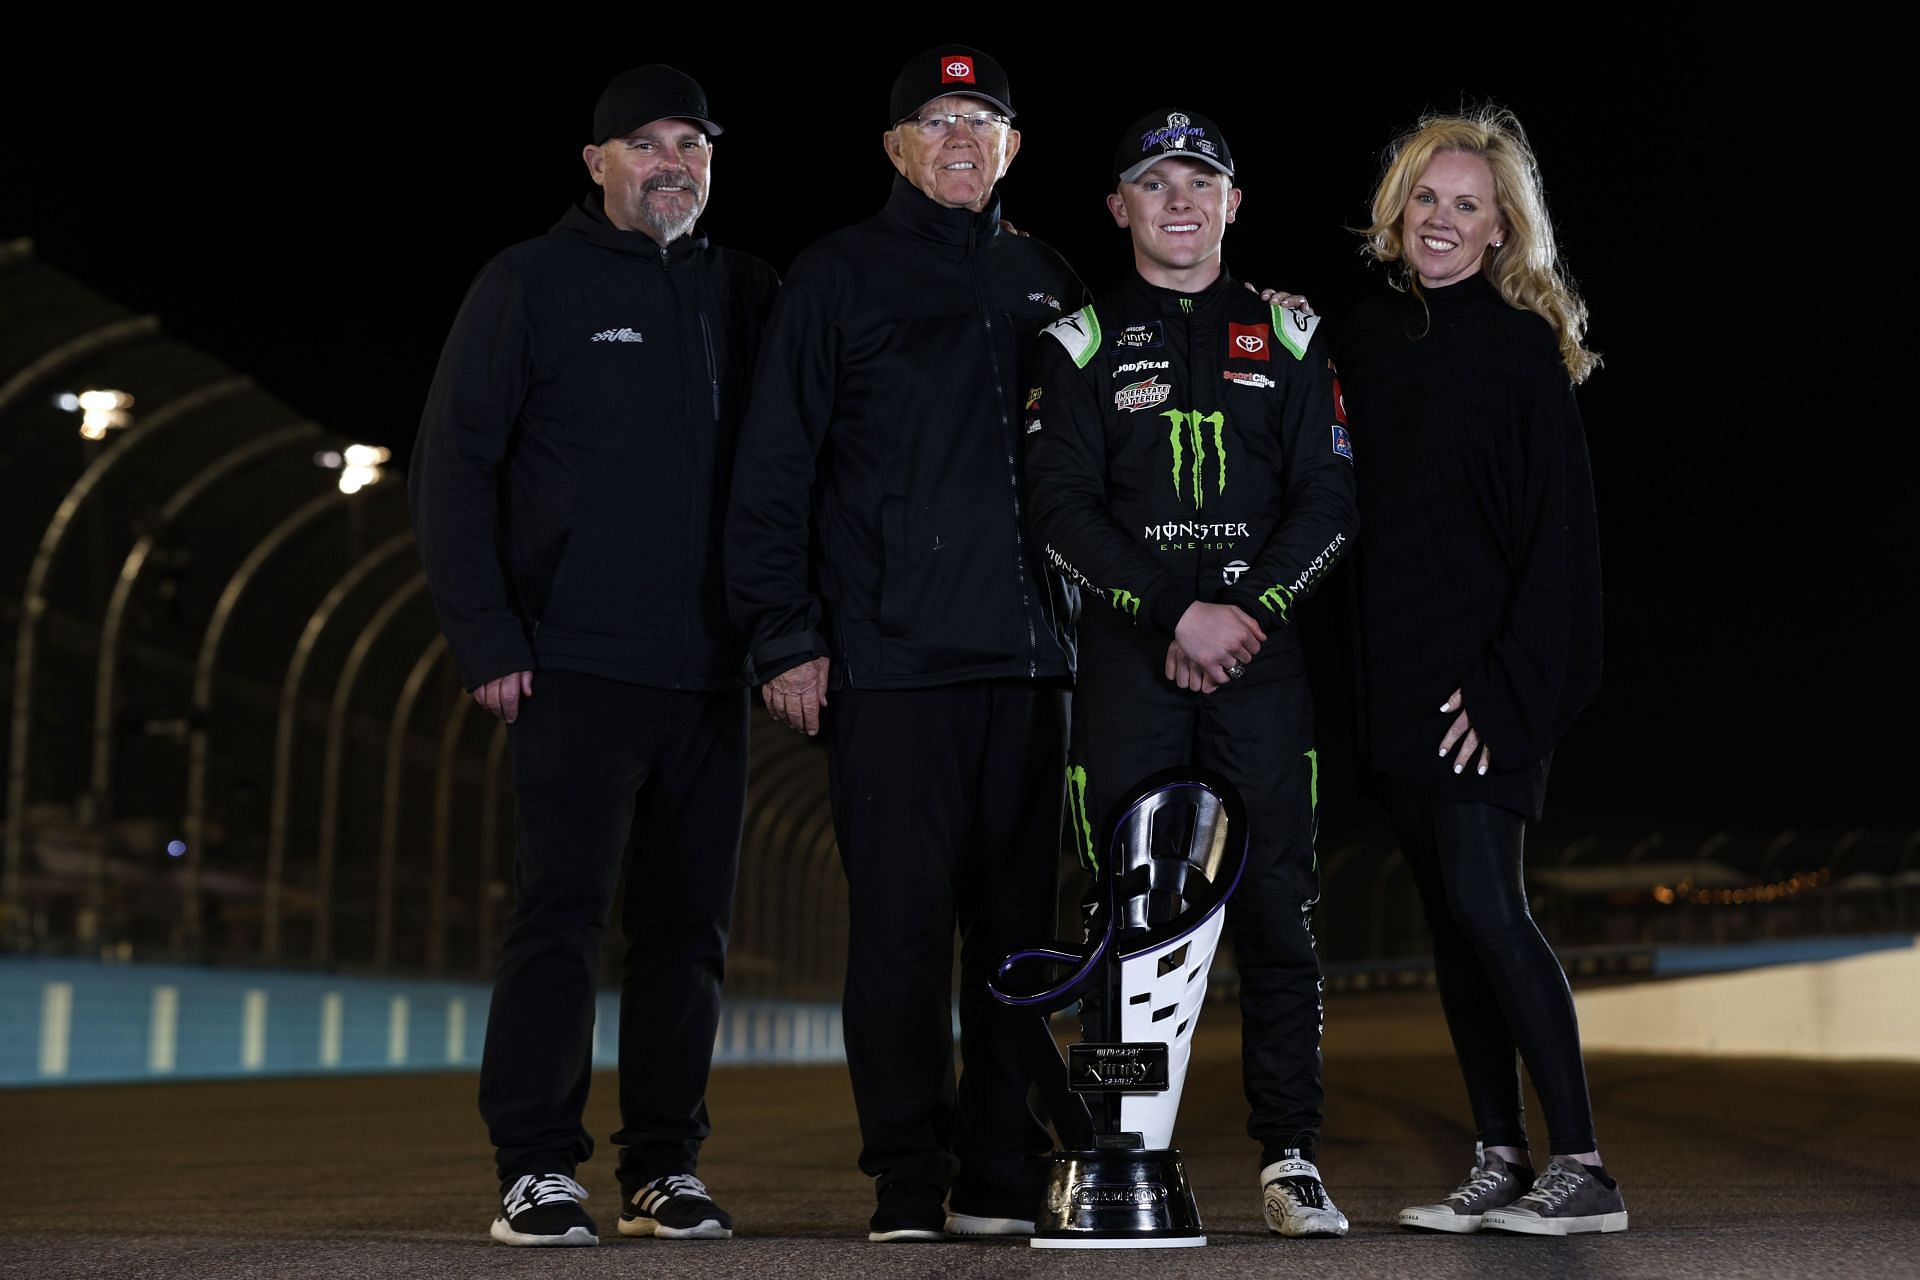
[[1171, 854]]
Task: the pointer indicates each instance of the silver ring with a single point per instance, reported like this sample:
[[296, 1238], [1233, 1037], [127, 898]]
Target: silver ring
[[1235, 671]]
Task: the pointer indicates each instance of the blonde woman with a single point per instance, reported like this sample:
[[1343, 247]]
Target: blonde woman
[[1478, 583]]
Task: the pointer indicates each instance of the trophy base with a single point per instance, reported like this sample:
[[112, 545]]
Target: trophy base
[[1118, 1199]]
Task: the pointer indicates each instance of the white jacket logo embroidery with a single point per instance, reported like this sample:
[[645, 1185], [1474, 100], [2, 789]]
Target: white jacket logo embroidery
[[617, 335]]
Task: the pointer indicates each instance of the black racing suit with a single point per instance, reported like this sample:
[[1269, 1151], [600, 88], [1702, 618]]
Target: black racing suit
[[1183, 448]]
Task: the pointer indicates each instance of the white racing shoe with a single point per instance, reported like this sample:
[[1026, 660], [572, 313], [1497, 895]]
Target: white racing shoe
[[1296, 1201]]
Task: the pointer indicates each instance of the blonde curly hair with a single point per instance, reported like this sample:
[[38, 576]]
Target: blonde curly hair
[[1526, 268]]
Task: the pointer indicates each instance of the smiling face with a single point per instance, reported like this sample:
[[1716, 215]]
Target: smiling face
[[959, 169], [1177, 211], [655, 178], [1450, 219]]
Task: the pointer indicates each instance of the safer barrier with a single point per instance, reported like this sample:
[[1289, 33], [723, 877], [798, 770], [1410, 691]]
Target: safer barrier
[[70, 1022]]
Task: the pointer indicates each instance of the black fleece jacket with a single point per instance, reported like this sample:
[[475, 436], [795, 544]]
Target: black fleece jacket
[[574, 457], [877, 504], [1478, 559]]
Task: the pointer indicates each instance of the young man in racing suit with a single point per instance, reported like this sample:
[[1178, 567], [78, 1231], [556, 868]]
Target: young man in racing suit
[[1188, 468]]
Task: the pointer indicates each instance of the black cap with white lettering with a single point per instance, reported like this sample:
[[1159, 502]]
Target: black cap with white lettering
[[1181, 134], [642, 95], [948, 69]]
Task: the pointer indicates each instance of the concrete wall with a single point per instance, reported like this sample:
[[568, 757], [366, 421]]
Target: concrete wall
[[1861, 1006]]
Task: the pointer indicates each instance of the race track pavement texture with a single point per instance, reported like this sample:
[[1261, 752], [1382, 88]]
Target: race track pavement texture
[[1731, 1168]]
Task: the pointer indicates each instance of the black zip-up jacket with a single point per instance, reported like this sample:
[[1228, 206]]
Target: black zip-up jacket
[[1185, 447], [876, 515], [574, 457]]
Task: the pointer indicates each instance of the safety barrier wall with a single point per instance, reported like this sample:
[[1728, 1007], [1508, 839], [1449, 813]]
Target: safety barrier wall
[[1858, 1006], [68, 1022]]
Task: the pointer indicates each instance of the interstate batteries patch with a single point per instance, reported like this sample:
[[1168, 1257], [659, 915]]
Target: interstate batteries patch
[[1149, 394]]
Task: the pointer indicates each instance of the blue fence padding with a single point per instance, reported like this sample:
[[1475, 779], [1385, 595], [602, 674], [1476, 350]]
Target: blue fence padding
[[76, 1021], [1671, 962]]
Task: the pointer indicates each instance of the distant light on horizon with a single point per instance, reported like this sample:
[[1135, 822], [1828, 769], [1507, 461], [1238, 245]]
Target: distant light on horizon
[[100, 411], [359, 465]]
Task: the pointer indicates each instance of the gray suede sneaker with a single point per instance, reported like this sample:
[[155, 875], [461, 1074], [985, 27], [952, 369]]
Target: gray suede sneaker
[[1565, 1200], [1492, 1183]]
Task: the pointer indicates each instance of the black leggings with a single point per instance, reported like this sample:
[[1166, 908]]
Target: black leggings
[[1500, 984]]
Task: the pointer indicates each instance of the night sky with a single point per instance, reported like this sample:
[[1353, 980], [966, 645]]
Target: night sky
[[312, 211]]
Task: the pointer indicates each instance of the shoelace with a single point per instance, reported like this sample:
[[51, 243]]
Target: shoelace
[[1480, 1182], [680, 1184], [539, 1189], [1308, 1193], [1554, 1186]]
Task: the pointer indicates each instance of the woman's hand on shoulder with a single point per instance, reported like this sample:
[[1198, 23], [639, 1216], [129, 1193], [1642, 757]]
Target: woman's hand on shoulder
[[1281, 298]]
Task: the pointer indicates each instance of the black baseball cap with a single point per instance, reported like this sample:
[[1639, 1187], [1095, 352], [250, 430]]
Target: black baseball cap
[[641, 95], [945, 69], [1170, 133]]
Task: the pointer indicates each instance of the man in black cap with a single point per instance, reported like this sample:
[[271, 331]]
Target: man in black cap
[[877, 558], [567, 489], [1190, 471]]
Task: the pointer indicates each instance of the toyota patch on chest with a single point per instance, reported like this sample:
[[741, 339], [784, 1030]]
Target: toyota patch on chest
[[1249, 341], [1135, 396]]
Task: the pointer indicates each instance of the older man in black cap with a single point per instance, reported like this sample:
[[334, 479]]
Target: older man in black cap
[[567, 489], [1191, 471], [876, 556]]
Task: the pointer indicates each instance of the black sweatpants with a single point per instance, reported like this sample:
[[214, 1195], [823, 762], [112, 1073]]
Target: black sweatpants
[[1130, 721], [613, 775], [1501, 986], [946, 802]]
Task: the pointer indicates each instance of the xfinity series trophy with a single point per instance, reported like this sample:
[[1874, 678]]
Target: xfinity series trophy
[[1174, 851]]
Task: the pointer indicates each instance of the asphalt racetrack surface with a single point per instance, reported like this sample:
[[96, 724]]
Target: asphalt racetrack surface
[[1730, 1167]]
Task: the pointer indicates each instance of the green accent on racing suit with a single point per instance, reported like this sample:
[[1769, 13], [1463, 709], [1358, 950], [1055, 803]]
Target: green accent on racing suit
[[1082, 828]]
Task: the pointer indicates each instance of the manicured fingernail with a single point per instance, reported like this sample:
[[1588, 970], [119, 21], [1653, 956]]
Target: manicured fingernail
[[1442, 751], [1482, 771], [1457, 768], [1447, 705]]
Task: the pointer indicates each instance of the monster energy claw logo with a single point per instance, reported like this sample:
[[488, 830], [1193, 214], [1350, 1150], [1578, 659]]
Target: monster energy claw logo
[[1187, 424], [1125, 601], [1277, 599]]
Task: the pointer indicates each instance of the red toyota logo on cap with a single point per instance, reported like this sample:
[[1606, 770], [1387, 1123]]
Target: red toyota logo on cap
[[1250, 341], [956, 67]]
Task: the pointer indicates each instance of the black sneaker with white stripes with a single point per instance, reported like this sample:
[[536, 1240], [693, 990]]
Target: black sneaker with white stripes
[[675, 1207], [544, 1209]]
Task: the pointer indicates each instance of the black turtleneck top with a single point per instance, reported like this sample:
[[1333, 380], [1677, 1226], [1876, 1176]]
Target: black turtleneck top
[[1478, 562]]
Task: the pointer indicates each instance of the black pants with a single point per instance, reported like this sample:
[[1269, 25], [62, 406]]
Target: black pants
[[1130, 721], [1501, 986], [612, 775], [946, 803]]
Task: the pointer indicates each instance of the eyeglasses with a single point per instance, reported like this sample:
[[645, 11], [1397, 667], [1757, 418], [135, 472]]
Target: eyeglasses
[[940, 124]]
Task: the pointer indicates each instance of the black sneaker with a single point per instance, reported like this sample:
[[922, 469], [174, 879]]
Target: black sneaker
[[544, 1209], [1565, 1200], [978, 1216], [675, 1207], [908, 1211], [1491, 1184]]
